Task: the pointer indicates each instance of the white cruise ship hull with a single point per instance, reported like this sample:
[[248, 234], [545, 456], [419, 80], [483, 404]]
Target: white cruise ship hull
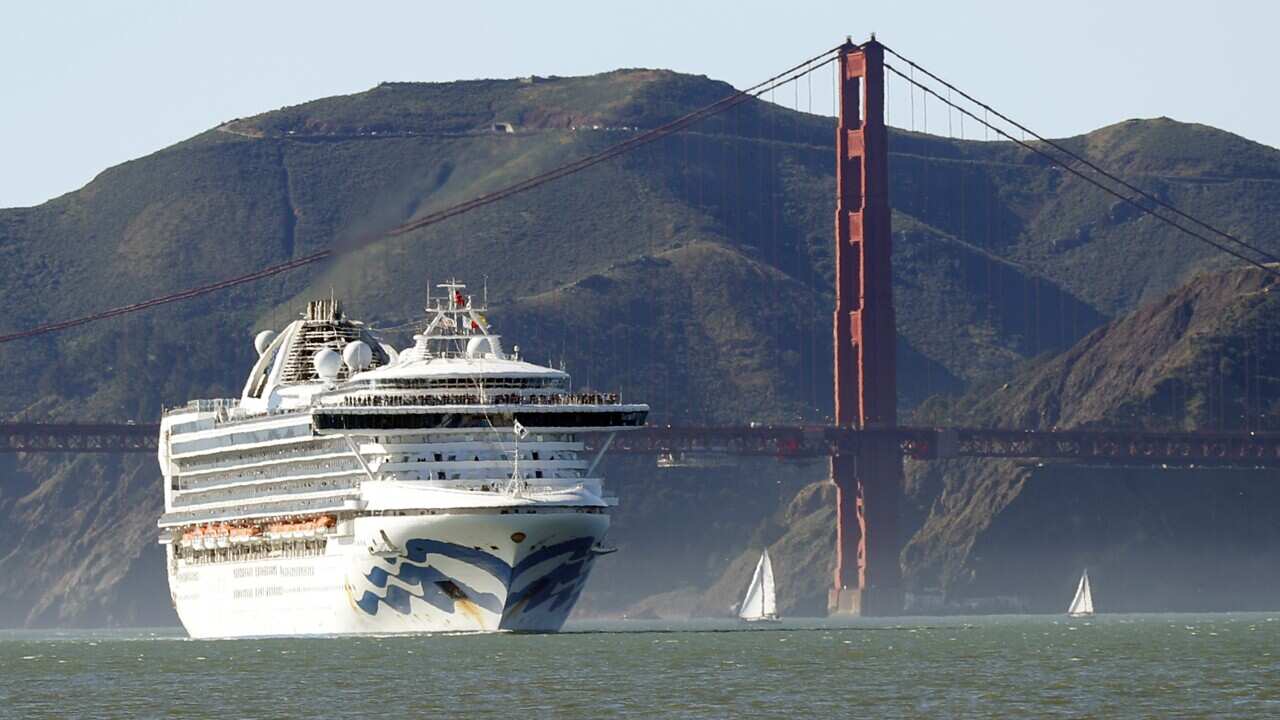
[[355, 489], [482, 571]]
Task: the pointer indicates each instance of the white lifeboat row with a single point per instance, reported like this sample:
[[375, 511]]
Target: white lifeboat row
[[224, 535]]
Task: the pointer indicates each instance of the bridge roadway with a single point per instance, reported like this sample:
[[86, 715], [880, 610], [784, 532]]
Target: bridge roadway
[[1111, 447]]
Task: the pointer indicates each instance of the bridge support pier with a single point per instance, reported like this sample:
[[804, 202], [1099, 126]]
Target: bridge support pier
[[868, 480], [868, 577]]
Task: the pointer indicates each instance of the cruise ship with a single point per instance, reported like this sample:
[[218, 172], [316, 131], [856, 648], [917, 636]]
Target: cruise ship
[[353, 488]]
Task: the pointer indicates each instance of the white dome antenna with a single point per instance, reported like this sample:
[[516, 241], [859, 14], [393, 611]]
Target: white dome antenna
[[479, 346], [328, 363], [263, 340], [357, 356]]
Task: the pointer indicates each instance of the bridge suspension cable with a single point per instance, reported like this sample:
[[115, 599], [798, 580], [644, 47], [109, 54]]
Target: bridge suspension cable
[[1084, 161], [791, 74], [173, 297], [947, 100]]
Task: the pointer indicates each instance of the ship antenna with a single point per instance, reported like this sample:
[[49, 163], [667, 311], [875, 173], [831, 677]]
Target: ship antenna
[[486, 291]]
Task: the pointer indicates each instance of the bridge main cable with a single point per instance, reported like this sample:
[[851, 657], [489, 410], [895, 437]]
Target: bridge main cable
[[1081, 159], [1091, 180], [791, 74]]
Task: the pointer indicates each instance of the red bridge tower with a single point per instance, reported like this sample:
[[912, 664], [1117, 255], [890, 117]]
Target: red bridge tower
[[868, 577]]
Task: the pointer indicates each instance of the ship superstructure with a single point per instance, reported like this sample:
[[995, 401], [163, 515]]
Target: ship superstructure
[[356, 489]]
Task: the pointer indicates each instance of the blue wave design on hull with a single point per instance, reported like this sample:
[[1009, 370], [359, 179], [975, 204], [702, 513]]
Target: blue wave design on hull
[[430, 581], [417, 551], [557, 590], [560, 587]]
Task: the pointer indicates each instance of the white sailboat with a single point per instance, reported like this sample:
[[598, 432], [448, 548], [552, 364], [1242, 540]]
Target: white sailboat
[[1082, 603], [761, 602]]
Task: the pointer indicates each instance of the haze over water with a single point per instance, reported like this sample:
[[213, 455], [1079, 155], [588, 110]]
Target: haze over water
[[1220, 665]]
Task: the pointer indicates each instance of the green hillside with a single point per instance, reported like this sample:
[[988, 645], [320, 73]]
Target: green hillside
[[1206, 356], [694, 273]]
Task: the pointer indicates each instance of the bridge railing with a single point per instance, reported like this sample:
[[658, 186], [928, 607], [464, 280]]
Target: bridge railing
[[78, 437]]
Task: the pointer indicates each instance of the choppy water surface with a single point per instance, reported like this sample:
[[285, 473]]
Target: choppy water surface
[[1111, 666]]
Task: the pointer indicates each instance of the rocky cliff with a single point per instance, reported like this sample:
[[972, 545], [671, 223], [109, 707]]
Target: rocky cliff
[[1206, 356]]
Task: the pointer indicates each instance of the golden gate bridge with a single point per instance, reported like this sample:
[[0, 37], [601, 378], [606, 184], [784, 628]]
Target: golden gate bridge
[[866, 445]]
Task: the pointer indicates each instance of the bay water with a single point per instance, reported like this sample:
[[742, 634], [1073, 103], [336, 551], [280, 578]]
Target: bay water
[[1151, 666]]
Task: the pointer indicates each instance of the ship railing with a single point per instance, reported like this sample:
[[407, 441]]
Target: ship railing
[[262, 508], [204, 405], [246, 415], [336, 481], [526, 485], [436, 400], [228, 410], [334, 463], [320, 449]]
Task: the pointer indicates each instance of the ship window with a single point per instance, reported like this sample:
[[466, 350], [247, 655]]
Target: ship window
[[440, 475], [535, 454], [438, 457], [537, 474]]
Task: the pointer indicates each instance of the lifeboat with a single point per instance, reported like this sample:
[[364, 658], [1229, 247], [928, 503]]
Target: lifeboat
[[203, 540], [222, 535], [295, 529], [244, 534], [324, 523]]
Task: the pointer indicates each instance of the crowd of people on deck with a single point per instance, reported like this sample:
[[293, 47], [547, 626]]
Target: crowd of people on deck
[[591, 398]]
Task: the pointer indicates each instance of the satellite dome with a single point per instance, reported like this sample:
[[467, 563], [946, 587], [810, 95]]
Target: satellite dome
[[357, 356], [478, 346], [262, 340], [328, 363]]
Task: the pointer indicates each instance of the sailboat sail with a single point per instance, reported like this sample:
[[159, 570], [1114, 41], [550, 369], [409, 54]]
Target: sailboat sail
[[1082, 603], [761, 601]]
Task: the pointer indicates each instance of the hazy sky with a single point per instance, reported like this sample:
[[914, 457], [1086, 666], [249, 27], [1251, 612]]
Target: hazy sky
[[89, 85]]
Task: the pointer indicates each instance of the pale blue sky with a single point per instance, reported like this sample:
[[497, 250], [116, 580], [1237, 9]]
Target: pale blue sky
[[89, 85]]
